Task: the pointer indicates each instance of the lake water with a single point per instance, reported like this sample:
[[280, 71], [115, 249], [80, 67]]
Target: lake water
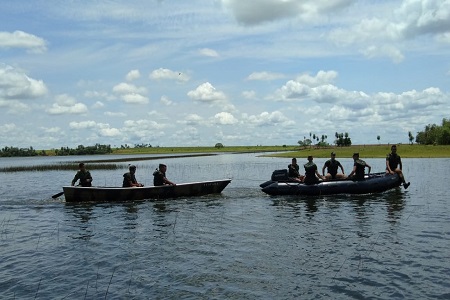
[[241, 244]]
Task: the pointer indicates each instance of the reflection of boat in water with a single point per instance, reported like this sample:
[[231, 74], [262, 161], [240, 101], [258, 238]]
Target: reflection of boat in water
[[117, 194], [373, 183]]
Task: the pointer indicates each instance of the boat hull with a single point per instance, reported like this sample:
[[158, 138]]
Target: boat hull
[[376, 183], [120, 194]]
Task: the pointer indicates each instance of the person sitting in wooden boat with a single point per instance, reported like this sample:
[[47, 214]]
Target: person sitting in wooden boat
[[159, 176], [83, 175], [311, 173], [129, 179], [394, 165], [332, 166], [293, 171], [359, 168]]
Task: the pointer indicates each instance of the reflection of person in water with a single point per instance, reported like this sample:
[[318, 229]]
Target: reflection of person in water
[[395, 203]]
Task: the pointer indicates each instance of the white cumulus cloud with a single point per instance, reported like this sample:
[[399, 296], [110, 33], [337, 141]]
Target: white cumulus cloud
[[20, 39], [206, 92], [131, 93], [225, 118], [162, 73], [16, 85], [133, 75], [66, 105], [208, 52]]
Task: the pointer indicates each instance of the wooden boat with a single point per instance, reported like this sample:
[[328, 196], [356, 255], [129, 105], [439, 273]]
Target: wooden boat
[[119, 194], [373, 183]]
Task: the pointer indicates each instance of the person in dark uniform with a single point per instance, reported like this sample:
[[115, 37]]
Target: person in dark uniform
[[311, 173], [129, 179], [359, 168], [394, 165], [332, 166], [159, 176], [83, 175], [293, 171]]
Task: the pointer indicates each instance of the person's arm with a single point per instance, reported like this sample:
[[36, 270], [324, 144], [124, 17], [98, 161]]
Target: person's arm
[[318, 175], [129, 178], [352, 172], [388, 167], [167, 181], [89, 177], [137, 183], [75, 179], [342, 168], [323, 169], [369, 167], [400, 164]]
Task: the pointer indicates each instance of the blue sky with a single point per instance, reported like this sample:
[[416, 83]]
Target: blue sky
[[238, 72]]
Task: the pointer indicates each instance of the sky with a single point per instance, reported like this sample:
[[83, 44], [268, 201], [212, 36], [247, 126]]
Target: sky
[[238, 72]]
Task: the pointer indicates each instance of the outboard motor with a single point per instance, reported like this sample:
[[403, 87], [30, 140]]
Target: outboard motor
[[277, 175], [280, 175]]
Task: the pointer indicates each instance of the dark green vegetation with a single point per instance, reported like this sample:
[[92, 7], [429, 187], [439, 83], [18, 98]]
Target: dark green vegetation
[[63, 151], [82, 150], [342, 140], [435, 134], [14, 151]]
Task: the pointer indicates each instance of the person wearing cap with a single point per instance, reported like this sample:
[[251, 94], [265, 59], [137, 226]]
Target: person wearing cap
[[159, 176], [332, 166], [83, 175], [293, 171], [129, 179], [311, 173], [394, 165], [359, 168]]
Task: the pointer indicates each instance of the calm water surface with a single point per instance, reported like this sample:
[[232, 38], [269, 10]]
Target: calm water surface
[[241, 244]]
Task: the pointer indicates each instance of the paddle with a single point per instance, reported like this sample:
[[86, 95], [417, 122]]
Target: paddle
[[57, 195]]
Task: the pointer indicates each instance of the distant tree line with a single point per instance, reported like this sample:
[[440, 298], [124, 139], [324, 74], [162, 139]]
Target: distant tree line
[[142, 145], [84, 150], [435, 134], [15, 151]]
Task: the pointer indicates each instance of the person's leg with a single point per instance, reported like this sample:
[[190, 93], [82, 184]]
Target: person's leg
[[400, 174]]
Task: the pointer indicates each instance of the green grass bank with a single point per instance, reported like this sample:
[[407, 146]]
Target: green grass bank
[[368, 151], [373, 151]]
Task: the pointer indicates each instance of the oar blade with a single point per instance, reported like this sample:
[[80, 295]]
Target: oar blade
[[57, 195]]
